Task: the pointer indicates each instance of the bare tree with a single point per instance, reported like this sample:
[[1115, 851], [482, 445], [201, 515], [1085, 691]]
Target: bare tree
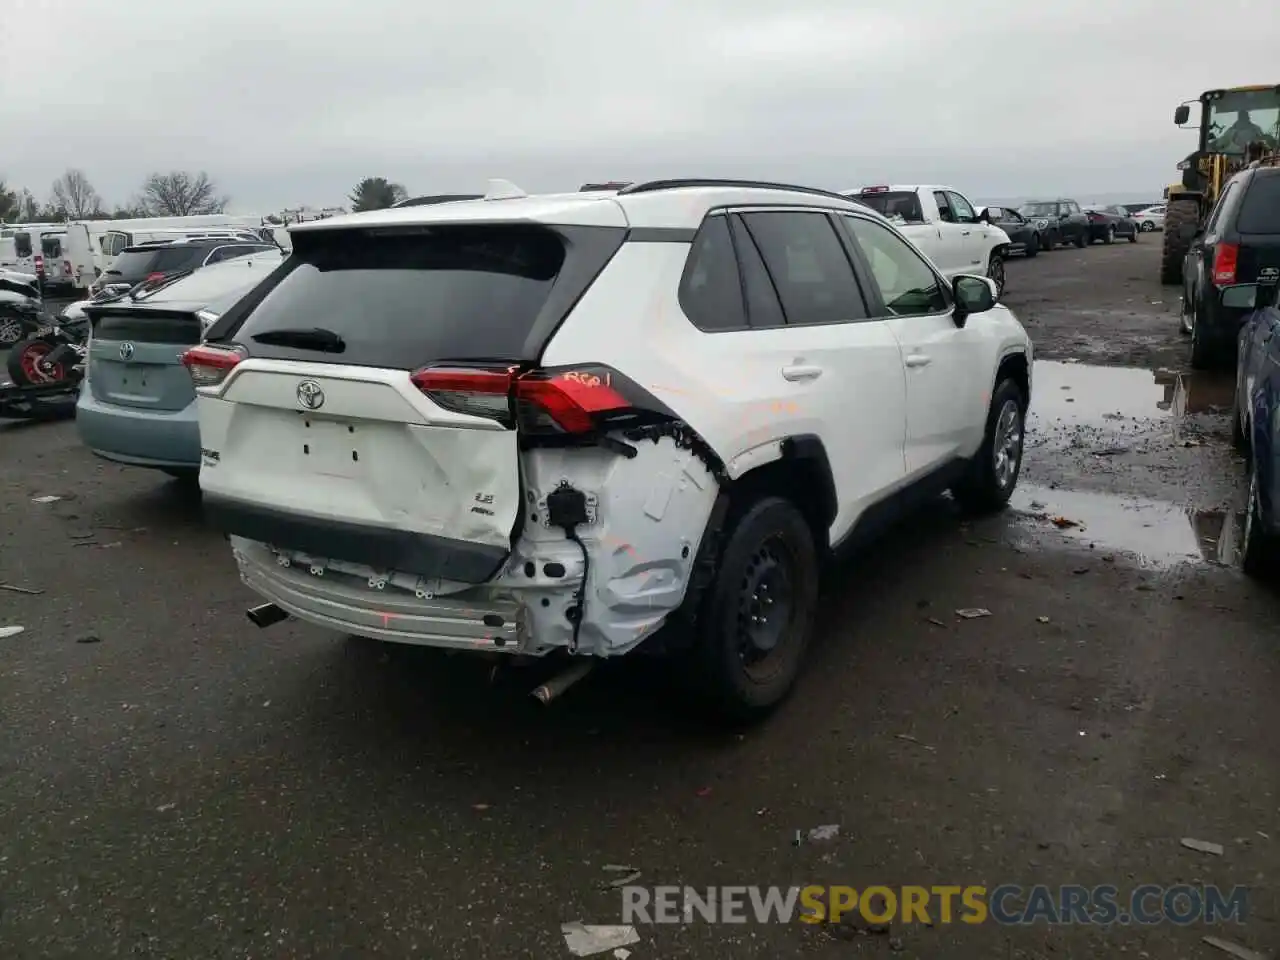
[[73, 193], [181, 194]]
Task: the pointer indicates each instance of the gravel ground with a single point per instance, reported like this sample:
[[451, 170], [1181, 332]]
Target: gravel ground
[[175, 783]]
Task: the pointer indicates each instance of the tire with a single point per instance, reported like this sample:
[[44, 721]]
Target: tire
[[770, 547], [1050, 241], [1239, 440], [1180, 222], [21, 362], [995, 271], [991, 479], [1133, 237], [1033, 246], [1111, 235], [1207, 352], [1082, 238], [13, 328], [1186, 318], [1260, 555]]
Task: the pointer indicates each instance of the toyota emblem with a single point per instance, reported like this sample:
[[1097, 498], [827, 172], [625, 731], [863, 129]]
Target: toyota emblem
[[126, 351], [310, 395]]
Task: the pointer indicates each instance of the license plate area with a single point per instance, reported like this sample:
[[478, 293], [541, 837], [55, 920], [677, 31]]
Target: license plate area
[[330, 448]]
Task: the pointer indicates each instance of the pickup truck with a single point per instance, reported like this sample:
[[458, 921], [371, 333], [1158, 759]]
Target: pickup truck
[[944, 225]]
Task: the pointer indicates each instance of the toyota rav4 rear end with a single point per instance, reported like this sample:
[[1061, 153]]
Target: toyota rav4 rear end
[[390, 459]]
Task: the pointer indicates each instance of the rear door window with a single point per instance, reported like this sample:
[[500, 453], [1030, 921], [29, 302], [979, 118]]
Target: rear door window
[[132, 263], [808, 266], [51, 246], [404, 300], [22, 244], [1260, 208]]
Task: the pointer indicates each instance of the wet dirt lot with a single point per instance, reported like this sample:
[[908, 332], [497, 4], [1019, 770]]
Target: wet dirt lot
[[175, 783]]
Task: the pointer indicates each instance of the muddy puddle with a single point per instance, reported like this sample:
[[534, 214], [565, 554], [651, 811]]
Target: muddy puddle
[[1130, 461], [1157, 533]]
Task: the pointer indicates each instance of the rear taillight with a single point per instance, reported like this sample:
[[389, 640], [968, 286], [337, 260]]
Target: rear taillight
[[154, 278], [208, 365], [66, 267], [39, 263], [567, 402], [1224, 263]]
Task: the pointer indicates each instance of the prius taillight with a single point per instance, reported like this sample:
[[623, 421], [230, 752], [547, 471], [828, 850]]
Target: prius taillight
[[566, 402]]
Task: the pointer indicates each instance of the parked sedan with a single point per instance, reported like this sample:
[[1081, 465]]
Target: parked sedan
[[1024, 234], [1256, 421], [1108, 222], [20, 306], [1152, 218]]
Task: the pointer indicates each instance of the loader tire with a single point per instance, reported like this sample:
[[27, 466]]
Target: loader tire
[[1181, 218]]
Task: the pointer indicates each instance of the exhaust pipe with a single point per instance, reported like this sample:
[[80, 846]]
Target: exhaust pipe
[[265, 615], [563, 681]]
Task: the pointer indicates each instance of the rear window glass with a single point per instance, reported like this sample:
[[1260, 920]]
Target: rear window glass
[[402, 301], [178, 258], [898, 203], [51, 246], [1260, 209], [132, 262], [22, 244]]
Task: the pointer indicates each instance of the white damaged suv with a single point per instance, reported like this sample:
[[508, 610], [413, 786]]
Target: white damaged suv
[[530, 424]]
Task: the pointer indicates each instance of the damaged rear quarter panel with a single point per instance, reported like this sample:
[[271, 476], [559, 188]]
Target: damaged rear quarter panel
[[650, 513]]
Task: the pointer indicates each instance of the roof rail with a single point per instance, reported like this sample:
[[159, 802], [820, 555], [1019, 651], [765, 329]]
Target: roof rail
[[653, 186]]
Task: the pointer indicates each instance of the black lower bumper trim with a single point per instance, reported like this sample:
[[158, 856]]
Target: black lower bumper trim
[[378, 547]]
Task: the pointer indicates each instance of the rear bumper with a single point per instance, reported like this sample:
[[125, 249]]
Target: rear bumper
[[473, 620], [140, 438], [384, 548]]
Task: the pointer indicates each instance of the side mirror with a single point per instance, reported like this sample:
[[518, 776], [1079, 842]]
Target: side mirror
[[1248, 296], [984, 216], [1182, 115], [972, 294]]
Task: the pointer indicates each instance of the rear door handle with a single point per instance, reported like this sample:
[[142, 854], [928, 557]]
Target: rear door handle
[[918, 360], [801, 372]]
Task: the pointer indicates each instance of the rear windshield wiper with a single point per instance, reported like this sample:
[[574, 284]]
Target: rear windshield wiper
[[314, 338], [142, 290]]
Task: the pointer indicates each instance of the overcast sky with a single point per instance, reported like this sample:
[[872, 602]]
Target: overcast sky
[[290, 102]]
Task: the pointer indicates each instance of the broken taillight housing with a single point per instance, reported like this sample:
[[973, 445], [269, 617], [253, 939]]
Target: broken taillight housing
[[210, 365], [562, 402]]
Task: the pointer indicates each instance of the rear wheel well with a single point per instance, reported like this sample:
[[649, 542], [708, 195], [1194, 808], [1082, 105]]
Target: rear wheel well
[[802, 475], [1014, 367]]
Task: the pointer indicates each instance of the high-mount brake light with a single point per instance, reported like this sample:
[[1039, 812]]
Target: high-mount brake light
[[566, 402], [209, 365], [875, 189], [1224, 263]]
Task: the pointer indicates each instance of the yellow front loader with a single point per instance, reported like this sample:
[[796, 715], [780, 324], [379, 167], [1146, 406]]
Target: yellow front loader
[[1237, 126]]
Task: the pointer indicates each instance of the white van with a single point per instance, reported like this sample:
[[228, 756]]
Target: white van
[[21, 246]]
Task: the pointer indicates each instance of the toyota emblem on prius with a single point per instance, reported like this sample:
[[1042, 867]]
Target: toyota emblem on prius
[[126, 351], [310, 395]]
